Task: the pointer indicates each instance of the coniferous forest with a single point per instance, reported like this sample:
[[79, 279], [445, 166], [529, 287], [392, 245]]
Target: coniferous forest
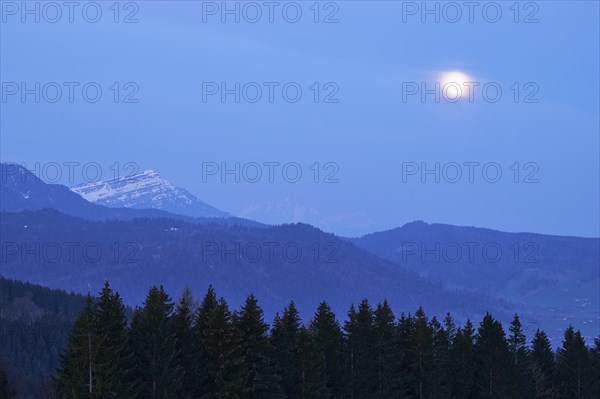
[[203, 349]]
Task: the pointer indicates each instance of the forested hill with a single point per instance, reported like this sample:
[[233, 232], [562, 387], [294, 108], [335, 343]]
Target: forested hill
[[554, 277], [277, 263], [35, 324]]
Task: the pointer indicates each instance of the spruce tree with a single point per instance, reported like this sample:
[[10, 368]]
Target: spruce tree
[[450, 328], [492, 359], [221, 368], [420, 356], [440, 361], [115, 359], [154, 347], [360, 333], [388, 383], [349, 351], [404, 331], [521, 380], [284, 338], [329, 339], [447, 361], [185, 345], [542, 366], [311, 381], [77, 373], [464, 386], [574, 366], [542, 354], [261, 379]]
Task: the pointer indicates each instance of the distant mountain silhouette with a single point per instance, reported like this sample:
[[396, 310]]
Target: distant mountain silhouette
[[554, 277]]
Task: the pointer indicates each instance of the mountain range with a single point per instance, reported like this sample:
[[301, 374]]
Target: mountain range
[[146, 190], [278, 264], [551, 281], [23, 190], [554, 277]]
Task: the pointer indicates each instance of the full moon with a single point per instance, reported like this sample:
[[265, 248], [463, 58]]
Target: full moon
[[454, 77], [453, 84]]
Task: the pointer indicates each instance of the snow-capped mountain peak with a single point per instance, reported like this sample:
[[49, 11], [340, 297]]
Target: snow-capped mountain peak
[[145, 190]]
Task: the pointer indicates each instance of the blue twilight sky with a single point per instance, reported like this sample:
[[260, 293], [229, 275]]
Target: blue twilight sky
[[375, 53]]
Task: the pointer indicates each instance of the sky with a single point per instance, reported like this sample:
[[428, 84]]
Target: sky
[[371, 142]]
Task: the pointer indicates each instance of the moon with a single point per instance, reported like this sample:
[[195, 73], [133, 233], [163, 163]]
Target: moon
[[453, 83], [457, 77]]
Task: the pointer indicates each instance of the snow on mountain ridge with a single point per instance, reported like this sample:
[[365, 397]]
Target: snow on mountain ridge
[[146, 189]]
